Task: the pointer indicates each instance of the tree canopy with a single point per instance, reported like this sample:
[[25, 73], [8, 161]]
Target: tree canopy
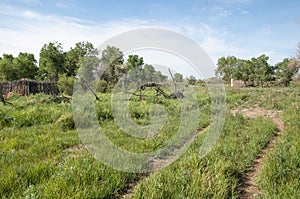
[[256, 71], [13, 68]]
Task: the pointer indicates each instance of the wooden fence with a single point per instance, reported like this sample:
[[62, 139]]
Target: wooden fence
[[26, 86]]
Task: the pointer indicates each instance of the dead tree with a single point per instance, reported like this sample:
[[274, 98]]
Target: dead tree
[[175, 86], [89, 87], [176, 94]]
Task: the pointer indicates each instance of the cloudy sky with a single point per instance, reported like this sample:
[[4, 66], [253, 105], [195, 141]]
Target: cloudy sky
[[244, 28]]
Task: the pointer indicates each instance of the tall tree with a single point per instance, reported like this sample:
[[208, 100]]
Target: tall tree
[[26, 67], [149, 73], [286, 69], [51, 62], [75, 56], [227, 67], [13, 68], [7, 69], [134, 65], [262, 70], [112, 60], [159, 77], [192, 80], [178, 77]]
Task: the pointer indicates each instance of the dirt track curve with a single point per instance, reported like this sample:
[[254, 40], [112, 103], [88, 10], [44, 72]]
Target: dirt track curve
[[249, 187]]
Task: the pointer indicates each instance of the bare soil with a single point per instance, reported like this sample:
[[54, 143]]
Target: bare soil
[[249, 186]]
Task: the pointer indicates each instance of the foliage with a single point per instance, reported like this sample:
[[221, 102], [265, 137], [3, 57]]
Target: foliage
[[65, 84], [74, 57], [178, 77], [254, 72], [41, 154], [102, 86], [51, 61], [192, 80], [226, 67], [112, 62], [14, 68], [286, 70]]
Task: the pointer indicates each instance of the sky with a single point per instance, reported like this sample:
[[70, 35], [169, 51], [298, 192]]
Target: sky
[[243, 28]]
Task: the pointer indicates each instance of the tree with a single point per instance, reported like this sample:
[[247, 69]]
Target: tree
[[13, 68], [227, 67], [65, 84], [134, 65], [7, 70], [254, 72], [112, 60], [26, 66], [149, 73], [192, 80], [159, 77], [263, 70], [178, 77], [51, 62], [286, 69], [73, 58]]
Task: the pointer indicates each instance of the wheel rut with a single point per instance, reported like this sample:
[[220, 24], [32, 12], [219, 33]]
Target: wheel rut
[[249, 185]]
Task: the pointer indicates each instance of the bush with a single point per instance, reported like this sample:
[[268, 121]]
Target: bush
[[102, 86], [66, 121], [65, 84]]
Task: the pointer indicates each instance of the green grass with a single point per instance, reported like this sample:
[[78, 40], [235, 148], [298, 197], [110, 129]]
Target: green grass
[[42, 156], [280, 177], [218, 174]]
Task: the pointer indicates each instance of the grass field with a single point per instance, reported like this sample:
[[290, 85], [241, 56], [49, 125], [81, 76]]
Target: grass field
[[42, 155]]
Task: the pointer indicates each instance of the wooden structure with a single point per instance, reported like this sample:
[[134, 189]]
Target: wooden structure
[[26, 86], [237, 83]]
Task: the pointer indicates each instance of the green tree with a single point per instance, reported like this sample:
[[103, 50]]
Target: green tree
[[26, 67], [192, 80], [262, 70], [149, 73], [178, 77], [75, 56], [286, 69], [51, 62], [227, 68], [7, 69], [112, 60], [134, 65], [65, 84], [159, 77], [13, 68]]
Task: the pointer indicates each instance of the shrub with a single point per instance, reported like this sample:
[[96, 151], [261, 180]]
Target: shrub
[[65, 84], [102, 86]]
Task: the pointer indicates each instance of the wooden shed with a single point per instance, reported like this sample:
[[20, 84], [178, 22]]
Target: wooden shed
[[27, 86]]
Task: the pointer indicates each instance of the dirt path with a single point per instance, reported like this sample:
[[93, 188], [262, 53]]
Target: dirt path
[[250, 188], [156, 163]]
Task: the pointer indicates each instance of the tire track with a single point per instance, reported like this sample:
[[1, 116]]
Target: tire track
[[249, 187], [156, 163]]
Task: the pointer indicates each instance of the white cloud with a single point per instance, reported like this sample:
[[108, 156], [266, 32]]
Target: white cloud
[[27, 31]]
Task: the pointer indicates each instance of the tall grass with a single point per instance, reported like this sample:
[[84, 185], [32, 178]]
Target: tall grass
[[42, 155], [218, 175], [280, 177]]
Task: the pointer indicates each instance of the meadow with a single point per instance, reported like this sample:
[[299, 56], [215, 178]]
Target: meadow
[[42, 155]]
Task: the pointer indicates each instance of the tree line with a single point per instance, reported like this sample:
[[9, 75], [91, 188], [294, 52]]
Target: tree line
[[257, 71], [56, 65]]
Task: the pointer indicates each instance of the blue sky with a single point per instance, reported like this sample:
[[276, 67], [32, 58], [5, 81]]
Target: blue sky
[[244, 28]]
